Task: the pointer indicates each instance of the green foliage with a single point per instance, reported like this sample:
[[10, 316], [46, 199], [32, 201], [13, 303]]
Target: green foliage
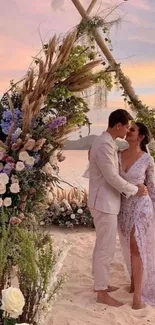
[[69, 105], [102, 76], [9, 321], [33, 253], [88, 25], [79, 56]]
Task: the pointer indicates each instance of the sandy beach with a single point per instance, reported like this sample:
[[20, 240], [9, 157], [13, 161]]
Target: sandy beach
[[77, 302]]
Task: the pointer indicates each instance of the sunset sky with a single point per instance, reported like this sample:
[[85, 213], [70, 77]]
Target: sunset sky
[[133, 42]]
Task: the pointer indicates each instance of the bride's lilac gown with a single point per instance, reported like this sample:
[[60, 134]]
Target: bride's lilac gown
[[139, 212]]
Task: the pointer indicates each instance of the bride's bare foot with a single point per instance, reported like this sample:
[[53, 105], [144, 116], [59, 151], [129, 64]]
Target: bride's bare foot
[[137, 304], [104, 298]]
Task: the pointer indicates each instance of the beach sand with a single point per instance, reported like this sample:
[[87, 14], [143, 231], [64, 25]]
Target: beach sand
[[77, 302]]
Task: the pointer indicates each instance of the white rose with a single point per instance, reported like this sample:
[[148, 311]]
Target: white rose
[[30, 161], [23, 156], [72, 216], [4, 178], [12, 302], [80, 211], [42, 223], [20, 166], [7, 202], [48, 117], [23, 324], [14, 188], [2, 188], [48, 169], [1, 202]]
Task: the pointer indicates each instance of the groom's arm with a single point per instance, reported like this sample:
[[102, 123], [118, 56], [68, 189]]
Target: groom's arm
[[105, 161]]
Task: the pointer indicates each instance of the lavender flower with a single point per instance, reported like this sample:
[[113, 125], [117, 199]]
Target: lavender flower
[[58, 122], [8, 168], [15, 135], [7, 120]]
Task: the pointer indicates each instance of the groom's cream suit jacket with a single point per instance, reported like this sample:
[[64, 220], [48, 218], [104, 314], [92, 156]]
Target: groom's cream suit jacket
[[105, 184]]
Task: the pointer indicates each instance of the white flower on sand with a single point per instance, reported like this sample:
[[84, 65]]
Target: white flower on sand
[[12, 302], [2, 188], [20, 166], [14, 188], [30, 161], [22, 324], [1, 202], [4, 178], [80, 211], [23, 156], [72, 216], [7, 202], [48, 169]]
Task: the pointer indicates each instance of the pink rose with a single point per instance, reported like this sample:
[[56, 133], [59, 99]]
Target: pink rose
[[21, 216], [22, 206], [29, 145], [1, 155], [9, 160], [15, 221], [23, 198], [15, 147], [32, 190], [39, 144]]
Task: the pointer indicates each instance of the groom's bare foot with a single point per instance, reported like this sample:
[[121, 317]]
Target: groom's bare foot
[[137, 304], [104, 298], [110, 289]]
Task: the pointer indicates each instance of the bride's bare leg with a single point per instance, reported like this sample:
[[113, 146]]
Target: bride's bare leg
[[137, 271], [131, 290]]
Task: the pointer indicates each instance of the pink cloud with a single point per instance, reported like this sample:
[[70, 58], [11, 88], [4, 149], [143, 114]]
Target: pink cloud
[[139, 4]]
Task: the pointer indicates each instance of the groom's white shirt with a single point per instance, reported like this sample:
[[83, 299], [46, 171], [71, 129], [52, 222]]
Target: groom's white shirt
[[105, 184]]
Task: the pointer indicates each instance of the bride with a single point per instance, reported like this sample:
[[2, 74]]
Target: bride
[[136, 220]]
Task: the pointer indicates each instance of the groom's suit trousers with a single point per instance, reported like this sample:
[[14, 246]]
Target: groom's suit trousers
[[106, 230]]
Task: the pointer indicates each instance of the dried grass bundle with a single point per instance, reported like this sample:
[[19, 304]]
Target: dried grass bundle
[[38, 84], [71, 195]]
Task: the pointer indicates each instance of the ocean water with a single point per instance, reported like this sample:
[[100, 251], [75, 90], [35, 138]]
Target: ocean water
[[73, 167]]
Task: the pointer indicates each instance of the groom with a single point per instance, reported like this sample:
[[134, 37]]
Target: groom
[[105, 187]]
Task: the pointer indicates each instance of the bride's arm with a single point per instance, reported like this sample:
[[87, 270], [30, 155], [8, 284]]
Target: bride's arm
[[150, 179]]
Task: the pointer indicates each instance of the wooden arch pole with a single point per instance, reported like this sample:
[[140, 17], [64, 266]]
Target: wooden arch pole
[[124, 81]]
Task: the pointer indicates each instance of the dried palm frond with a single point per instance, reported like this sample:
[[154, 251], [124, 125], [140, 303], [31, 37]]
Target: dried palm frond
[[42, 79], [83, 78]]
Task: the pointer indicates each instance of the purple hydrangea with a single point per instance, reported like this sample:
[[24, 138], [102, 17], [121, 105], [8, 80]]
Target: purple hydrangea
[[7, 120], [8, 168], [55, 124]]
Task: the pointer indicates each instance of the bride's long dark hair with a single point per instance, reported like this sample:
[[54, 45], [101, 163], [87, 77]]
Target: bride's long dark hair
[[143, 130]]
